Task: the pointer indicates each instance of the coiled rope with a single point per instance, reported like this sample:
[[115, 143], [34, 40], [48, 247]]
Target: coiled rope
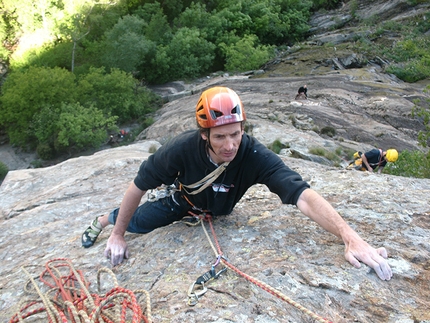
[[255, 281], [69, 300]]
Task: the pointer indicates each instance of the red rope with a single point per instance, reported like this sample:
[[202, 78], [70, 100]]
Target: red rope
[[262, 285], [74, 289]]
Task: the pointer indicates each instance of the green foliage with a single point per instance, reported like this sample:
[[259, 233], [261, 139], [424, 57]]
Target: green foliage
[[412, 71], [8, 29], [115, 93], [59, 55], [25, 93], [73, 127], [195, 16], [410, 164], [319, 151], [273, 22], [3, 170], [325, 4], [410, 56], [82, 127], [354, 7], [39, 106], [329, 131], [246, 54], [415, 2], [102, 18], [188, 54], [152, 149], [37, 163], [136, 36], [172, 8], [158, 29], [277, 146], [423, 113], [45, 151], [161, 66], [126, 46]]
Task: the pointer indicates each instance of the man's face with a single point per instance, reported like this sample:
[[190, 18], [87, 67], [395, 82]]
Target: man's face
[[225, 141]]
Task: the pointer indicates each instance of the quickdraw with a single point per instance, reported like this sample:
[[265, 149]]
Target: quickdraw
[[198, 288], [161, 192]]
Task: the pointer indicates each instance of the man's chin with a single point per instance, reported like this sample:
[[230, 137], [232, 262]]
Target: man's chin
[[228, 159]]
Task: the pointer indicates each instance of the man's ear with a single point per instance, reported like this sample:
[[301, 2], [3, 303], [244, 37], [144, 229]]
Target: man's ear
[[204, 136]]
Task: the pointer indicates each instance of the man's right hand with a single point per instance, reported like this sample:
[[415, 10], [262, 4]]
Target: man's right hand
[[116, 249]]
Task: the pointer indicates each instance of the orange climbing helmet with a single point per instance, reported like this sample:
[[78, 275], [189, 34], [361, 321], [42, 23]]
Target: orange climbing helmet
[[391, 155], [219, 106]]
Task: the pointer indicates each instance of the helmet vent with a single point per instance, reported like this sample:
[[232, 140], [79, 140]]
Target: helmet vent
[[201, 113], [216, 114], [235, 110]]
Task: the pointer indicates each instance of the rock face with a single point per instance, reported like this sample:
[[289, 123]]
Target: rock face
[[44, 212], [366, 109]]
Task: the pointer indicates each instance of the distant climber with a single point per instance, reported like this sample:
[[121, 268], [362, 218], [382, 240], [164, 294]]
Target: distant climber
[[302, 93], [373, 159], [115, 139], [122, 133]]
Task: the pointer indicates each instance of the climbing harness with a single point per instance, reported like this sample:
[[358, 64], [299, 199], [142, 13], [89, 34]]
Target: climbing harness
[[221, 259], [206, 181], [64, 296], [168, 190]]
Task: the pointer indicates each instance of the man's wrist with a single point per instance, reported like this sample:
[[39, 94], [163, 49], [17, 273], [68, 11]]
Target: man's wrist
[[117, 233]]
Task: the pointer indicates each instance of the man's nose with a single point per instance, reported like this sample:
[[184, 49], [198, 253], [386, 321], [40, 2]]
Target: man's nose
[[229, 144]]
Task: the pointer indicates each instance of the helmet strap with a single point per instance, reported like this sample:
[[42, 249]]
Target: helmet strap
[[208, 142]]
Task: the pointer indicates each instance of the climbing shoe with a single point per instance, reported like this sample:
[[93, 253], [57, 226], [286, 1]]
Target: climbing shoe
[[90, 235]]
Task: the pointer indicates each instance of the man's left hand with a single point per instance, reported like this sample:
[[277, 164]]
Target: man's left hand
[[374, 258]]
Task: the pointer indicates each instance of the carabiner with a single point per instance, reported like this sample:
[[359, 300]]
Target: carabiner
[[194, 295], [219, 273]]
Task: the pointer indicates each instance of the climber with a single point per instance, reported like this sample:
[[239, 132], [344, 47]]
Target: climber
[[378, 158], [302, 93], [209, 170]]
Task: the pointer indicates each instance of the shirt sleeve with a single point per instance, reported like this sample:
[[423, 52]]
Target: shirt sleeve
[[163, 166], [277, 176]]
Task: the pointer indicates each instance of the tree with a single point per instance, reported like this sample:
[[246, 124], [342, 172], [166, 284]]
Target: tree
[[195, 16], [115, 93], [190, 54], [82, 127], [25, 93], [126, 47], [246, 54], [70, 126]]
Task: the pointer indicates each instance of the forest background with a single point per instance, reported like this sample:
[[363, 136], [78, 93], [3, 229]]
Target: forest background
[[75, 71]]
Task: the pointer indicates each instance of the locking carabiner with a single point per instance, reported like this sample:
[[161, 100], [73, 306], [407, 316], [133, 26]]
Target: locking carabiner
[[194, 294]]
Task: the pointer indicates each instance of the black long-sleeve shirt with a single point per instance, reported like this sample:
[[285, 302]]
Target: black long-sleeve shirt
[[185, 159], [304, 90]]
